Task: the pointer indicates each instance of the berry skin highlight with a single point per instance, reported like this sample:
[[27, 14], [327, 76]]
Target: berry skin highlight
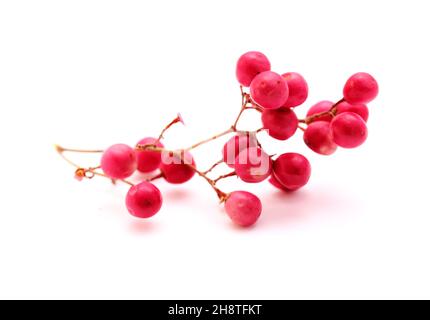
[[276, 99]]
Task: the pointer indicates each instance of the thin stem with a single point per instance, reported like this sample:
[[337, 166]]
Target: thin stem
[[158, 176], [238, 117], [61, 149], [332, 112], [230, 130], [221, 195], [216, 164], [88, 173], [173, 122], [231, 174], [301, 128]]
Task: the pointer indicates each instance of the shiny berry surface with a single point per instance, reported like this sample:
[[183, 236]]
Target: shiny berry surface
[[144, 200], [253, 165], [235, 145], [269, 90], [280, 123], [319, 138], [177, 170], [320, 107], [360, 88], [148, 161], [292, 170], [250, 65], [298, 89], [349, 130], [119, 161], [359, 108], [243, 208]]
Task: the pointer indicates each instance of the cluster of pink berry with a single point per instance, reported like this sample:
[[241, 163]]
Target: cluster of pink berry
[[326, 126]]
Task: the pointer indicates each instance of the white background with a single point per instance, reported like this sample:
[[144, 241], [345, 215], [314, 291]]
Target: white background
[[93, 73]]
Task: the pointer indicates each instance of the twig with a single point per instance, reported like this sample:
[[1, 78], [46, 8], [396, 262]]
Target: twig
[[216, 164], [231, 174]]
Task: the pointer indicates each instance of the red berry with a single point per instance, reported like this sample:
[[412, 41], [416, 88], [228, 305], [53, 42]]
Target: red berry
[[298, 89], [274, 182], [148, 161], [359, 108], [349, 130], [269, 90], [281, 123], [320, 107], [319, 138], [144, 200], [250, 65], [253, 165], [235, 145], [243, 208], [119, 161], [292, 170], [177, 170], [360, 88]]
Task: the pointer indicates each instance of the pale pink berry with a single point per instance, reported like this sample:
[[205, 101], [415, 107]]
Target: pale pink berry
[[349, 130], [280, 123], [360, 88], [253, 165], [269, 90], [319, 138], [144, 200], [235, 145], [292, 170], [148, 161], [119, 161], [177, 169], [298, 89], [358, 108], [243, 208], [320, 107], [250, 65]]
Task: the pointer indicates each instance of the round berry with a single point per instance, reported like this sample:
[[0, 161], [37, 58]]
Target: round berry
[[250, 65], [349, 130], [144, 200], [359, 108], [236, 145], [269, 90], [274, 182], [148, 161], [319, 138], [177, 169], [243, 208], [119, 161], [298, 89], [320, 107], [253, 165], [360, 88], [292, 170], [280, 123]]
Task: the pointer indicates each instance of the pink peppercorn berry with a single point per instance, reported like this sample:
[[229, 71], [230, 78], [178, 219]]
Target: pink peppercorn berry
[[119, 161], [269, 90], [292, 170], [250, 65], [253, 165], [148, 161], [144, 200], [349, 130], [176, 170], [360, 88], [243, 208], [298, 89]]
